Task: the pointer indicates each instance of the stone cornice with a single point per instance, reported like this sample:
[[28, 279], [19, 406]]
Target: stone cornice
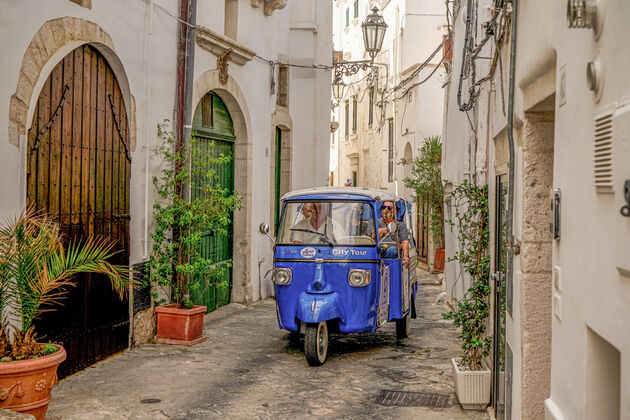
[[217, 44]]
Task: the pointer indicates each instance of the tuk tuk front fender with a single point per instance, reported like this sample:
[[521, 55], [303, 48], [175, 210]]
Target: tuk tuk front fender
[[319, 307]]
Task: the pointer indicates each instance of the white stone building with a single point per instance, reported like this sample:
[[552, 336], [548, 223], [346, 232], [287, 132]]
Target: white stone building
[[273, 90], [562, 344], [385, 117]]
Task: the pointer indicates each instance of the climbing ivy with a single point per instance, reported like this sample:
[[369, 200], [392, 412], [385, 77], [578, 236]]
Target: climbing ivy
[[470, 229]]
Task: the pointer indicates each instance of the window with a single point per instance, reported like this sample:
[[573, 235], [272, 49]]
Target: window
[[207, 105], [390, 150], [371, 109], [356, 9], [282, 99], [354, 179], [347, 120], [347, 17], [230, 18], [354, 115]]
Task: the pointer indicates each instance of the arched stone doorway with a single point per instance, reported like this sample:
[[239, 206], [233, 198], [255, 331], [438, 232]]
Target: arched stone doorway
[[280, 161], [78, 172], [213, 136], [234, 101]]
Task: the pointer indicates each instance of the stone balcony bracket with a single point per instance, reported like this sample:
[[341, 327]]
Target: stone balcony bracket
[[217, 44], [269, 6]]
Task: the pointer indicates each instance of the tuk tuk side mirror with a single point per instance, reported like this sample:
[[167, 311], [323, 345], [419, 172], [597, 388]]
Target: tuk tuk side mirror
[[392, 227], [264, 229]]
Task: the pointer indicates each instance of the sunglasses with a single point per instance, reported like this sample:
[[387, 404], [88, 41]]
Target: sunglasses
[[388, 207]]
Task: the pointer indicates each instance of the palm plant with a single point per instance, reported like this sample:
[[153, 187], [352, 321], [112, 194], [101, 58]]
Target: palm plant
[[36, 270]]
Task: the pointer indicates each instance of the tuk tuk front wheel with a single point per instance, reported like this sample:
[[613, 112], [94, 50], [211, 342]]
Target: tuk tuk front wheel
[[402, 327], [316, 343]]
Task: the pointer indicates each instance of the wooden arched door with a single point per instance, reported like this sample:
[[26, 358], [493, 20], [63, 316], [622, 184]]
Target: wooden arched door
[[213, 132], [78, 172]]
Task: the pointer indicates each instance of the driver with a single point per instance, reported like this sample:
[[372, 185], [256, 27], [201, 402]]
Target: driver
[[316, 227], [400, 237]]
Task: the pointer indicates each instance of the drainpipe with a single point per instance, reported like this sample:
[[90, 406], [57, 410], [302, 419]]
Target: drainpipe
[[512, 248], [147, 113], [185, 79]]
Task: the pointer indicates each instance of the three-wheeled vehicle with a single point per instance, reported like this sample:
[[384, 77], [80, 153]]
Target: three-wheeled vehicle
[[332, 271]]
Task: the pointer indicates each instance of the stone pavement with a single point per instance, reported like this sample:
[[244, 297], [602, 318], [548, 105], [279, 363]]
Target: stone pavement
[[249, 369]]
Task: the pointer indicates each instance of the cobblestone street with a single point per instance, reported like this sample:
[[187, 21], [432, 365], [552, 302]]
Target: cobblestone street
[[249, 368]]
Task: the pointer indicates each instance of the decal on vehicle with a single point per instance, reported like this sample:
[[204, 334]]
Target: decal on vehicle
[[308, 252], [346, 252]]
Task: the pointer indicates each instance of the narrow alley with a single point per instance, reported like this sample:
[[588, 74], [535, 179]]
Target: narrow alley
[[248, 368]]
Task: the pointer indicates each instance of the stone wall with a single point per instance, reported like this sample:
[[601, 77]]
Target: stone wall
[[536, 264], [144, 327]]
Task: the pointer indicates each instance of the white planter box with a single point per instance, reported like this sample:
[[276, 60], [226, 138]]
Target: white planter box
[[472, 388]]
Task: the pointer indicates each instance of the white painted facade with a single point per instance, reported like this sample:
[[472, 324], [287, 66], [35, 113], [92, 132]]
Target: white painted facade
[[567, 330], [143, 55], [414, 31], [414, 108]]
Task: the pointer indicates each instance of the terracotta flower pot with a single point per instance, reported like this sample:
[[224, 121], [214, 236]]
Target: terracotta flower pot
[[25, 385], [180, 325]]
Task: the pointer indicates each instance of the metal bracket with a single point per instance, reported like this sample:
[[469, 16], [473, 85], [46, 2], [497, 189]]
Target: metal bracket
[[52, 119], [111, 104]]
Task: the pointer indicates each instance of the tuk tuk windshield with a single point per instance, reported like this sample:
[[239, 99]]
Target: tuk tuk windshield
[[334, 223]]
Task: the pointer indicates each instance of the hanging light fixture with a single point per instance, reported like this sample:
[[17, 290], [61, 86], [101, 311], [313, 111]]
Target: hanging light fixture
[[338, 88], [373, 28]]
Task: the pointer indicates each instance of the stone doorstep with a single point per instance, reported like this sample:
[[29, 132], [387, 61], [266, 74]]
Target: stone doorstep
[[224, 311]]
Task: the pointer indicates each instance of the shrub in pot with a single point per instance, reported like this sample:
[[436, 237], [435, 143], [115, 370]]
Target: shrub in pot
[[426, 181], [190, 204], [36, 269], [470, 314]]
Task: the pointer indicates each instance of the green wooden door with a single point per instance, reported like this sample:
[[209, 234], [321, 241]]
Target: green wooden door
[[277, 177], [214, 135]]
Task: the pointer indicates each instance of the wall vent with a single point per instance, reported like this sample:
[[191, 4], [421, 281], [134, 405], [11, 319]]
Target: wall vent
[[602, 148]]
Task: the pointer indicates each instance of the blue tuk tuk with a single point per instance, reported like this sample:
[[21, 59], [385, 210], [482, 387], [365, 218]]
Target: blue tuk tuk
[[330, 272]]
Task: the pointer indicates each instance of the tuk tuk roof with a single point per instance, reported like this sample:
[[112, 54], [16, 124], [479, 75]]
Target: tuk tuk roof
[[342, 192]]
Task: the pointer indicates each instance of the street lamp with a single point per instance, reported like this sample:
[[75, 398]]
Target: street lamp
[[338, 87], [373, 28]]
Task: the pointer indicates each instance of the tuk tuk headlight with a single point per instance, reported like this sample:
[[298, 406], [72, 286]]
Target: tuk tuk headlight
[[358, 278], [282, 276]]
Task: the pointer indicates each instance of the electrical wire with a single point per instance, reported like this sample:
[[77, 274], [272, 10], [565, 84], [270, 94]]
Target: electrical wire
[[270, 62]]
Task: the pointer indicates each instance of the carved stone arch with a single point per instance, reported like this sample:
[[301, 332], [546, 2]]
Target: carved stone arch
[[234, 100], [281, 120], [53, 41]]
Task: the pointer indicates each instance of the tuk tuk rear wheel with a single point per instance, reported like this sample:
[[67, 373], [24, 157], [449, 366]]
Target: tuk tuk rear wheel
[[316, 343], [402, 327]]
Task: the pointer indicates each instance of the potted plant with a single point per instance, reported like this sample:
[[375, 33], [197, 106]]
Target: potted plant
[[426, 181], [36, 269], [470, 227], [190, 204]]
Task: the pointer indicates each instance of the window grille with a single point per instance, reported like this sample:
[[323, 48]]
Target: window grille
[[347, 120], [354, 115]]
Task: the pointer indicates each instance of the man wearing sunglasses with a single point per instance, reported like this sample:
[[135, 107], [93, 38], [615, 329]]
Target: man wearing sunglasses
[[399, 239]]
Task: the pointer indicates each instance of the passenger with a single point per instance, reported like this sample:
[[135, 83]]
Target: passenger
[[315, 228], [360, 227], [399, 239]]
